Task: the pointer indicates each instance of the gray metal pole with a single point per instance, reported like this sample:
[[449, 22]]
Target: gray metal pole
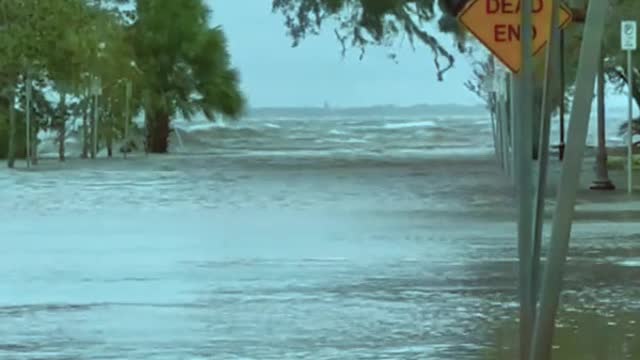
[[551, 71], [507, 109], [127, 115], [500, 127], [602, 181], [562, 102], [630, 128], [27, 112], [494, 126], [96, 117], [523, 163], [569, 180]]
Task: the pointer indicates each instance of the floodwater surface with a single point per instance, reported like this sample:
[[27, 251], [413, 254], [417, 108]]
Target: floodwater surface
[[338, 251]]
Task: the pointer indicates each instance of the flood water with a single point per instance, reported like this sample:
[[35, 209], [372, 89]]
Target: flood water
[[262, 248]]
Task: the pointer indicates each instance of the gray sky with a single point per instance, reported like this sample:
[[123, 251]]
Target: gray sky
[[274, 74]]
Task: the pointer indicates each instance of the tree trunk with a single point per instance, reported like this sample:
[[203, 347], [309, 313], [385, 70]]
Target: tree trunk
[[110, 142], [158, 132], [34, 141], [11, 154], [85, 128], [62, 126]]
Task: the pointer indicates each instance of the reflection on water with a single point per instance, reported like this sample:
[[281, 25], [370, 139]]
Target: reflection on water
[[580, 334]]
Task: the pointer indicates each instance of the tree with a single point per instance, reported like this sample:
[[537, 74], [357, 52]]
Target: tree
[[362, 23], [29, 29], [40, 47], [185, 65], [80, 56], [164, 49]]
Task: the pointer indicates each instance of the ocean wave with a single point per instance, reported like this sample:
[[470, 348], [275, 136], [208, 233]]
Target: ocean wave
[[415, 124], [341, 141], [316, 137], [337, 132]]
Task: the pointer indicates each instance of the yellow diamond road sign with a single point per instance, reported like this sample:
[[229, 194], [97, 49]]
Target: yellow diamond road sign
[[496, 24]]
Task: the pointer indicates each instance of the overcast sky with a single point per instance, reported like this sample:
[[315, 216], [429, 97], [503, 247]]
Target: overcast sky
[[274, 74]]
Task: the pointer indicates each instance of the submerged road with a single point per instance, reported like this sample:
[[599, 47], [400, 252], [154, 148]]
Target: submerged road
[[255, 257]]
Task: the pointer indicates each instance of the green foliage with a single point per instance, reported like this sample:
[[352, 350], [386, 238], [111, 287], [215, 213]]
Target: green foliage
[[616, 60], [362, 23], [164, 48], [186, 64], [635, 128]]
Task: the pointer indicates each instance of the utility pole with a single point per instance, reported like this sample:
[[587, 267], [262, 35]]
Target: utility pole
[[602, 181]]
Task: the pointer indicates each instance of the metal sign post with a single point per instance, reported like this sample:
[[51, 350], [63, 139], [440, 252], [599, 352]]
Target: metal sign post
[[629, 43], [514, 35], [96, 91], [27, 112], [523, 163], [127, 115], [551, 71], [569, 180]]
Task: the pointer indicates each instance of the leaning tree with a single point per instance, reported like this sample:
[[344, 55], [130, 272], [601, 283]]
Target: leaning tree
[[185, 64]]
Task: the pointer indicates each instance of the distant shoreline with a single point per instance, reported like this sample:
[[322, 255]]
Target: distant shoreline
[[378, 110], [386, 110]]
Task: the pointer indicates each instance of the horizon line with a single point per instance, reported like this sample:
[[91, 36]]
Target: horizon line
[[343, 107]]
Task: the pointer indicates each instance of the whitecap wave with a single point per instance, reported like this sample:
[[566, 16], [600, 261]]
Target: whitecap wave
[[337, 132], [427, 123]]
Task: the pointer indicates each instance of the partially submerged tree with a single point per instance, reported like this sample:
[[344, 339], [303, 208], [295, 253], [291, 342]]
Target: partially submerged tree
[[185, 65], [30, 30], [47, 44], [164, 50]]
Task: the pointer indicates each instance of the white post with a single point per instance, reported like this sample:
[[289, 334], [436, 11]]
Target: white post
[[628, 39]]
